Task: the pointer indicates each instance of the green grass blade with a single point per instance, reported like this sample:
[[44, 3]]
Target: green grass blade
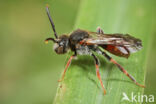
[[81, 85]]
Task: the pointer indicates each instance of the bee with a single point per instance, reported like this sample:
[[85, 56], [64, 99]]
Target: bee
[[83, 42]]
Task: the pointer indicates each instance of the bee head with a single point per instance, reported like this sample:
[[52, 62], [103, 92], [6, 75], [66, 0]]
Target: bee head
[[61, 44]]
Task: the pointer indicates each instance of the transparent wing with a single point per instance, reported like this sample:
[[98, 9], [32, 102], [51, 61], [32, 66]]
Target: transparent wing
[[123, 42]]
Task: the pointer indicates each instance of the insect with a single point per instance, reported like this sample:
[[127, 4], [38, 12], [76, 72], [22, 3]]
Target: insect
[[83, 42]]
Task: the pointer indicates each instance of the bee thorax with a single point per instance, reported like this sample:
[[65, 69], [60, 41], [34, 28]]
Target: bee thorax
[[82, 50]]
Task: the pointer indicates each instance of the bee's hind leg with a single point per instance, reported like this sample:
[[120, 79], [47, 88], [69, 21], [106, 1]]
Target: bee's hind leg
[[99, 30], [119, 67]]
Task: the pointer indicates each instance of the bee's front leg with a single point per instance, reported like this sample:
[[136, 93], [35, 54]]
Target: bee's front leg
[[67, 65]]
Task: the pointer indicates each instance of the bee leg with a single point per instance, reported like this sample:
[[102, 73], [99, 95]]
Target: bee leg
[[97, 72], [121, 68], [99, 30], [67, 65]]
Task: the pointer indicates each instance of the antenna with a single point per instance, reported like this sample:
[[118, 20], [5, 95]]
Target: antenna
[[52, 39], [51, 21]]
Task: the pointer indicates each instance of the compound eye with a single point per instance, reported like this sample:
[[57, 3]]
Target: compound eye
[[59, 50]]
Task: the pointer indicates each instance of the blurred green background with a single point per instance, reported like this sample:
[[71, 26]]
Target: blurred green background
[[29, 69]]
